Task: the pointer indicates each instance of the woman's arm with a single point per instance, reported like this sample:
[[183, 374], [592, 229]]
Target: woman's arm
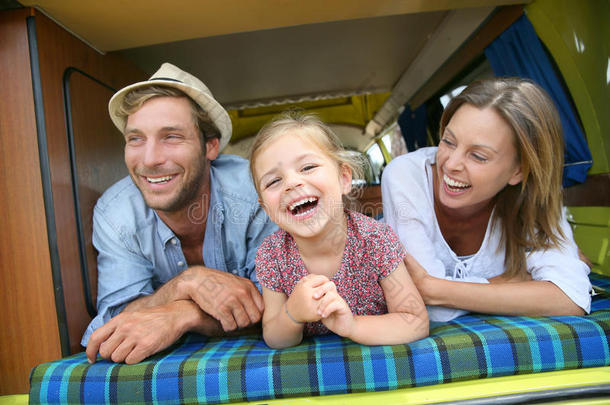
[[501, 296], [406, 320]]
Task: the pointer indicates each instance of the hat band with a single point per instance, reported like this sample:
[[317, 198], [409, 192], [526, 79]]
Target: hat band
[[166, 78]]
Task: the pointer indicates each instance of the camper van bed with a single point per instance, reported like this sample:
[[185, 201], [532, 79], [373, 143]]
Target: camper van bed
[[546, 356]]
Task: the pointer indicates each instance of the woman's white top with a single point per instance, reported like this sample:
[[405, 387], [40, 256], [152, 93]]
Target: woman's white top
[[408, 207]]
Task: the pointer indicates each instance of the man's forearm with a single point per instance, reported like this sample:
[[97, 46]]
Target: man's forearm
[[171, 291]]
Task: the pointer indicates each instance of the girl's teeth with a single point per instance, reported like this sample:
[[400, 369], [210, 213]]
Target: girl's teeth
[[301, 202]]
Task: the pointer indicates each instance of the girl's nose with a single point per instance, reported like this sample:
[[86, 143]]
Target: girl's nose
[[293, 181]]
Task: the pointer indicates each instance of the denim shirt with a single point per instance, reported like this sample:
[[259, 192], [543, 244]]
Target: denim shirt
[[138, 252]]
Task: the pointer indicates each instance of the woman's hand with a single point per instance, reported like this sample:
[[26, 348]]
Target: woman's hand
[[419, 275], [503, 278]]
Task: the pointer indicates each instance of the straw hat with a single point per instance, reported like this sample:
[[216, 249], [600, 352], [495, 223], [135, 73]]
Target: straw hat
[[171, 76]]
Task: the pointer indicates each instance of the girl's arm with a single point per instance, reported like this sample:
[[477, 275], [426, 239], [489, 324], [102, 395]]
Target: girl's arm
[[279, 330], [505, 297], [406, 320], [284, 317]]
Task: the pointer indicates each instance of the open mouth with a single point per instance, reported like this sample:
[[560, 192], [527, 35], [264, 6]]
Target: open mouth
[[159, 180], [454, 185], [303, 206]]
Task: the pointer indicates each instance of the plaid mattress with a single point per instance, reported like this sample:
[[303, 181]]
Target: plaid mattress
[[203, 370]]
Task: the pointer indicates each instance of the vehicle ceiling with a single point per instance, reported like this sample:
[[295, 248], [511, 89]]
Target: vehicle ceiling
[[254, 53]]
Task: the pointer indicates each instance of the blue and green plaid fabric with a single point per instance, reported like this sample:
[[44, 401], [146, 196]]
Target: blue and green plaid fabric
[[203, 370]]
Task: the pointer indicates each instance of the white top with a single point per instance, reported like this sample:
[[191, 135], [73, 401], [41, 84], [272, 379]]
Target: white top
[[408, 207]]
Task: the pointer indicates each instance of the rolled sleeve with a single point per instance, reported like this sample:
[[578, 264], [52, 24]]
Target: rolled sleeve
[[123, 276], [563, 268]]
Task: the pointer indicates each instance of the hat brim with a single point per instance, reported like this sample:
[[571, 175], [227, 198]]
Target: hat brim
[[216, 112]]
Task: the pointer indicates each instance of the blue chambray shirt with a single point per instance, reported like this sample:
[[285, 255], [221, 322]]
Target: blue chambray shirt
[[138, 252]]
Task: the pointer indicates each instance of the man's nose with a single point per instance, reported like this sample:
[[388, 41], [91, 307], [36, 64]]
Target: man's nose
[[153, 154]]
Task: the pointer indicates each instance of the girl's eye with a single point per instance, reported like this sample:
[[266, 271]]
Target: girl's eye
[[309, 167], [272, 182]]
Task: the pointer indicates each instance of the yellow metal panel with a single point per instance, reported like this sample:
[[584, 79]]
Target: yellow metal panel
[[577, 34]]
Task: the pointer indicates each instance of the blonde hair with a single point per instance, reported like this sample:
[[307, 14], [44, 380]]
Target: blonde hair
[[530, 212], [134, 100], [311, 128]]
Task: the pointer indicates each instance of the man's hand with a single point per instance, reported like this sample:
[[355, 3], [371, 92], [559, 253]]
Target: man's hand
[[234, 301], [130, 337]]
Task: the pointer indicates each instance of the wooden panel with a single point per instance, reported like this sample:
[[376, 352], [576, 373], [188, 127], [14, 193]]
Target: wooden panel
[[97, 158], [29, 334], [595, 192], [58, 51], [367, 200]]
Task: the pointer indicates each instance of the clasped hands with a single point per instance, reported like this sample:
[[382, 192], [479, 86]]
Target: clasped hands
[[315, 298], [200, 299]]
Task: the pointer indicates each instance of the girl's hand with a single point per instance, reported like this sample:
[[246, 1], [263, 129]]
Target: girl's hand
[[334, 312], [302, 304]]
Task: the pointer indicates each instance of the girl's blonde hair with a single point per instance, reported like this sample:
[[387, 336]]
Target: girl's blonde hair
[[313, 129], [530, 212]]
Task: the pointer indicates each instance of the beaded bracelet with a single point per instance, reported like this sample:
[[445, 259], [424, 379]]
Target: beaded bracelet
[[290, 316]]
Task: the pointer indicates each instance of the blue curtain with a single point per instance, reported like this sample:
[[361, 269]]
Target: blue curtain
[[413, 127], [519, 52]]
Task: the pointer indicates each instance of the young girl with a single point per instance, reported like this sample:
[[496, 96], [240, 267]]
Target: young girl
[[327, 268]]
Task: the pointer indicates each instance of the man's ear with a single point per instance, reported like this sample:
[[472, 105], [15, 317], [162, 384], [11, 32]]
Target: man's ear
[[212, 148], [346, 179]]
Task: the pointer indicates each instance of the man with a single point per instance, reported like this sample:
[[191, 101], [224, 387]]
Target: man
[[177, 238]]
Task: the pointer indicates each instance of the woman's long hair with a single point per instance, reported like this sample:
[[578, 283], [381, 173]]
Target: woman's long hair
[[529, 212]]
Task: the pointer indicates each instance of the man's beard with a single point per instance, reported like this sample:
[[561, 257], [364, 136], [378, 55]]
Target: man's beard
[[188, 194]]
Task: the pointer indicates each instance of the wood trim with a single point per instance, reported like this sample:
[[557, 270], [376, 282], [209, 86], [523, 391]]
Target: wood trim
[[29, 334], [58, 51], [594, 192]]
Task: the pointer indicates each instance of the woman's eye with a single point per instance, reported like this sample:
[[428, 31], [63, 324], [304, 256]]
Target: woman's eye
[[479, 158], [446, 141]]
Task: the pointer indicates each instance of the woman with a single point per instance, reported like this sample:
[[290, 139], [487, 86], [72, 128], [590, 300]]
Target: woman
[[481, 214]]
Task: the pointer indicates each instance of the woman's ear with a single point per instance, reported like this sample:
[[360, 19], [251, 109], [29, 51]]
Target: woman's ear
[[346, 179], [517, 176]]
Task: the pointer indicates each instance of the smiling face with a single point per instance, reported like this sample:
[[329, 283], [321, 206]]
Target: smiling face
[[476, 159], [164, 154], [300, 186]]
